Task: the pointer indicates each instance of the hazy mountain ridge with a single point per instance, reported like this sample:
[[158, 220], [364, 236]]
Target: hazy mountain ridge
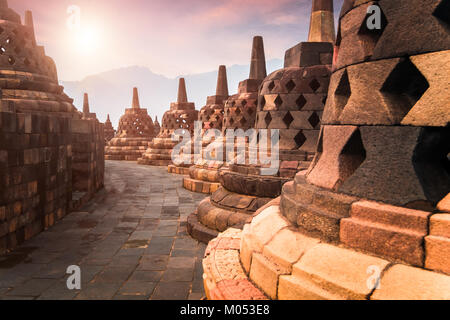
[[110, 92]]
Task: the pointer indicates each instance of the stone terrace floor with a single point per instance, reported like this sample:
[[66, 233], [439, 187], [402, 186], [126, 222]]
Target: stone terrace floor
[[130, 242]]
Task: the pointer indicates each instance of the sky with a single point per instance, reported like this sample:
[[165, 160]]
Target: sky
[[170, 37]]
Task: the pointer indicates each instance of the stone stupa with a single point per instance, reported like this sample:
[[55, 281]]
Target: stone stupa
[[109, 130], [134, 133], [239, 113], [370, 218], [157, 126], [291, 100], [201, 178], [49, 155], [181, 116]]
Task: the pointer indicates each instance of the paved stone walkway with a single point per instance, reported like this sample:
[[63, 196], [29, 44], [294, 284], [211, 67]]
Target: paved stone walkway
[[130, 243]]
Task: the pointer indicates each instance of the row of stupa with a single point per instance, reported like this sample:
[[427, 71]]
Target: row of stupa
[[363, 182], [369, 218]]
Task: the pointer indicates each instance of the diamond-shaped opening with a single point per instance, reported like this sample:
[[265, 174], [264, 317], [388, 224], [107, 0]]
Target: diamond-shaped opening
[[231, 121], [238, 111], [314, 120], [442, 11], [290, 85], [271, 86], [405, 86], [268, 119], [287, 119], [431, 162], [243, 122], [369, 37], [352, 156], [343, 92], [262, 102], [278, 101], [301, 102], [300, 139], [314, 84], [244, 103]]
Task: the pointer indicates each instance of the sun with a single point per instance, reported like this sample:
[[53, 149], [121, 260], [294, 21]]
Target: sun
[[87, 40]]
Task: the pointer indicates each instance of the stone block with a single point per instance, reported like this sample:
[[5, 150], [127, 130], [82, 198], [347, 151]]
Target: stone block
[[265, 226], [440, 225], [388, 231], [287, 247], [402, 282], [308, 54], [265, 273], [338, 271], [437, 253]]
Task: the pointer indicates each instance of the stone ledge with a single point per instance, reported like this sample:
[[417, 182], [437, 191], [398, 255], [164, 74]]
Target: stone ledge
[[178, 170], [385, 230], [198, 231], [200, 186], [324, 271], [224, 278]]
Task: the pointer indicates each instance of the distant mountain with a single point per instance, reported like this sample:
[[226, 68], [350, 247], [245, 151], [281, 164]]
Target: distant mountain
[[110, 92]]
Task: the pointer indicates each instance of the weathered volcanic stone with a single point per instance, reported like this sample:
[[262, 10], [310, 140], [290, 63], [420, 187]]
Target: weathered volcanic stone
[[419, 26], [402, 282], [376, 93], [388, 231], [51, 155], [417, 170], [339, 154], [435, 67]]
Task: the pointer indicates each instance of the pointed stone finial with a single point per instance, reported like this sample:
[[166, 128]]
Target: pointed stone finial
[[30, 24], [108, 119], [321, 28], [86, 104], [136, 104], [258, 63], [182, 95], [222, 82]]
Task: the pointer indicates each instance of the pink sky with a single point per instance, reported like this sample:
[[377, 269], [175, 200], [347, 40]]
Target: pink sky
[[170, 37]]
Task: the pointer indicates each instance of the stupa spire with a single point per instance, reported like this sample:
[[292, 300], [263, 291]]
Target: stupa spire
[[222, 82], [182, 95], [258, 63], [321, 28], [136, 104], [86, 110], [30, 24]]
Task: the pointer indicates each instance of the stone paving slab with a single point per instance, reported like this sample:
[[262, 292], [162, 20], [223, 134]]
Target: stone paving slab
[[130, 243]]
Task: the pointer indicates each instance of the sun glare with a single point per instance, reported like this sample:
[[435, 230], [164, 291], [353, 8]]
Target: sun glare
[[87, 40]]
